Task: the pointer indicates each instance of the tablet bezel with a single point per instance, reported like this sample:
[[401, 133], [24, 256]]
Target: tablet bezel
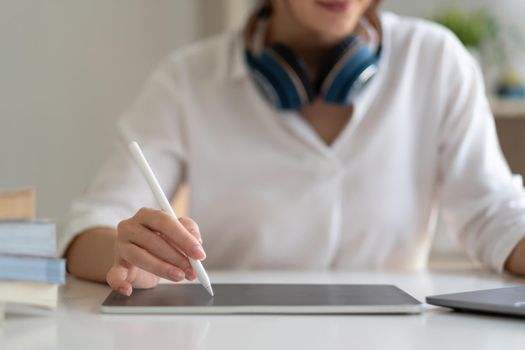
[[119, 304]]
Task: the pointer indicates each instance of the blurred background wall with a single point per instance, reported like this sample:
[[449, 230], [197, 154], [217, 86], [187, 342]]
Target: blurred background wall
[[69, 68]]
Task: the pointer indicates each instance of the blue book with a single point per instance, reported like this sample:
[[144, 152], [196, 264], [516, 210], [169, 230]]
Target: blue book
[[28, 237], [27, 268]]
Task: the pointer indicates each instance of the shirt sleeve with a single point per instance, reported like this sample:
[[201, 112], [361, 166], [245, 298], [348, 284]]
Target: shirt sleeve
[[480, 201], [119, 190]]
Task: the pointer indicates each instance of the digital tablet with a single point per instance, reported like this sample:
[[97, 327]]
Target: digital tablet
[[264, 299]]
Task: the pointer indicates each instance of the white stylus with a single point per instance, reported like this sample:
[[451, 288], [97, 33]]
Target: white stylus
[[142, 163]]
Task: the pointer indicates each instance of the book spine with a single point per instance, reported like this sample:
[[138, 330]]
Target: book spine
[[19, 204], [32, 269], [28, 238], [12, 248]]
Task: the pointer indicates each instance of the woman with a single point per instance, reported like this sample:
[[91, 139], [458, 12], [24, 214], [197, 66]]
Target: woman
[[323, 137]]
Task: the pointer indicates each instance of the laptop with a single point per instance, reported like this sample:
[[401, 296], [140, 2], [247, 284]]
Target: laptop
[[264, 299], [502, 301]]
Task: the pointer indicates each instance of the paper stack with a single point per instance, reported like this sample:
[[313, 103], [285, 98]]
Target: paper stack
[[29, 270]]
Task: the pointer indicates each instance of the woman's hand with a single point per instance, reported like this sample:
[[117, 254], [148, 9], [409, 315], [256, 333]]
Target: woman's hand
[[150, 245]]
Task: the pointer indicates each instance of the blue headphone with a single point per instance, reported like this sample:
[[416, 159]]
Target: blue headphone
[[283, 77]]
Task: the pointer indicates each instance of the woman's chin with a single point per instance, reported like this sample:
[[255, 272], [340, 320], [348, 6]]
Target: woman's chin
[[334, 33]]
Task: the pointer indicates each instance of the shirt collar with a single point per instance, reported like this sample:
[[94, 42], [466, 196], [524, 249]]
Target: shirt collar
[[238, 69]]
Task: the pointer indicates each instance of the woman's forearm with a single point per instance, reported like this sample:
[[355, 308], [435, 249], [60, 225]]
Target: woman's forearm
[[516, 262], [90, 255]]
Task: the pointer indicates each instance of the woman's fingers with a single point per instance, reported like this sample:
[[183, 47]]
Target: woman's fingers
[[173, 230], [117, 279], [145, 279], [143, 259], [123, 277], [156, 245], [192, 227], [153, 244]]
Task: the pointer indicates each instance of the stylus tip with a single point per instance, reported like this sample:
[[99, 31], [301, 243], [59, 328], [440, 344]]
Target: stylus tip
[[208, 288]]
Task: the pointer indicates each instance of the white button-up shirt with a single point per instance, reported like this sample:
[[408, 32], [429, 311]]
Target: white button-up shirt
[[267, 192]]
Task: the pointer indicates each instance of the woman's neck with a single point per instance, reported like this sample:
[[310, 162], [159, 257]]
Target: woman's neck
[[310, 46]]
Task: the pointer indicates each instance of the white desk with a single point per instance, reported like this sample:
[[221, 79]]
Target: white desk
[[78, 323]]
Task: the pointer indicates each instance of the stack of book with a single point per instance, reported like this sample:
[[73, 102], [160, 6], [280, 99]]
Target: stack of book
[[30, 272]]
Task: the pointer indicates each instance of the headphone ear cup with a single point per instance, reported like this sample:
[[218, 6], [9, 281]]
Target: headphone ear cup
[[268, 82], [281, 77], [347, 69], [330, 60]]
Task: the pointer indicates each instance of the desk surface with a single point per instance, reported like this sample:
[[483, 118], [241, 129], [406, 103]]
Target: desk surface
[[78, 323]]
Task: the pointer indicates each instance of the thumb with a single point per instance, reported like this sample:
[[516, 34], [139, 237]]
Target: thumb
[[117, 279]]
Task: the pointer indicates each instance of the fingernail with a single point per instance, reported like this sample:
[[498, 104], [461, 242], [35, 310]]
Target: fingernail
[[197, 252], [176, 274], [125, 291], [189, 274]]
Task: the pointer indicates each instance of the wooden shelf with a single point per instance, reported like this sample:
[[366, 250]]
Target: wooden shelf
[[507, 108]]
